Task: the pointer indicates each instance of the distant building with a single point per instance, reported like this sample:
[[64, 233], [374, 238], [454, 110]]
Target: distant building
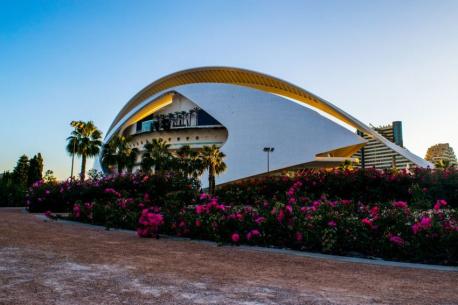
[[441, 152], [379, 155]]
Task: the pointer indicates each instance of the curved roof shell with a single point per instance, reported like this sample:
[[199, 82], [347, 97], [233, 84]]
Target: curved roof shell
[[165, 86]]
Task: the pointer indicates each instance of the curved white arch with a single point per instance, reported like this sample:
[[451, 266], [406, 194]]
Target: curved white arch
[[137, 106]]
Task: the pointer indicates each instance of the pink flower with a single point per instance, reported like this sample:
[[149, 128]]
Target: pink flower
[[253, 233], [400, 204], [345, 202], [289, 209], [396, 240], [374, 211], [426, 222], [440, 203], [200, 209], [299, 236], [260, 220], [280, 216], [204, 196], [416, 227], [149, 223], [235, 237], [367, 222], [198, 223], [332, 223]]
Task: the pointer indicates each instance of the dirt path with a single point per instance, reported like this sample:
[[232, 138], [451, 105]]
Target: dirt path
[[54, 263]]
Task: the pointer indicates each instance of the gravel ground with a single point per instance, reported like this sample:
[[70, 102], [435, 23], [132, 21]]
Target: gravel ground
[[56, 263]]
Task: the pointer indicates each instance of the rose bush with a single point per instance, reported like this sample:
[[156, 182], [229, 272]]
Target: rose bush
[[61, 197], [300, 212], [419, 187]]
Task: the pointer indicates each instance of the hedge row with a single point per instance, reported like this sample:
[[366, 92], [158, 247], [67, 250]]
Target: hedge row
[[280, 211]]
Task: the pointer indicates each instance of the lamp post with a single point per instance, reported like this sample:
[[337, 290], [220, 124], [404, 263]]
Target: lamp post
[[268, 150]]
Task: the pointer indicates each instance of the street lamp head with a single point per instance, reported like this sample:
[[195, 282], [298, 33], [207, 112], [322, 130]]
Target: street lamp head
[[268, 149]]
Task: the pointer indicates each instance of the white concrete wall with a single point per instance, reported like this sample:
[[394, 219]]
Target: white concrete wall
[[256, 119]]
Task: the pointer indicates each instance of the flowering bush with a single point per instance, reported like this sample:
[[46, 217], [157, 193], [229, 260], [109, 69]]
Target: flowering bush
[[419, 187], [150, 220], [61, 197], [391, 230], [278, 211]]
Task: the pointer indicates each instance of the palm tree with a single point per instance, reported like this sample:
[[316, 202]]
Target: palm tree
[[157, 156], [119, 152], [212, 160], [131, 159], [109, 158], [195, 111], [189, 162], [183, 118], [85, 141]]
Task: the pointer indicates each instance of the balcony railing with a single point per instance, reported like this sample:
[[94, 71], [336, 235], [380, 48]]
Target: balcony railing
[[195, 118]]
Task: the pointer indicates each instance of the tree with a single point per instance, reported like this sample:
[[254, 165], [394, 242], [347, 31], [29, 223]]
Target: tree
[[94, 174], [21, 171], [85, 141], [119, 152], [188, 162], [131, 159], [212, 160], [157, 156], [49, 177], [6, 189], [109, 160], [35, 169]]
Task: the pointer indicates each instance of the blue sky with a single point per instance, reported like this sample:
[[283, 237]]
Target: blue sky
[[378, 60]]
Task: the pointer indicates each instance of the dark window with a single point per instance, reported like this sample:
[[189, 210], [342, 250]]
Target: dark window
[[205, 119]]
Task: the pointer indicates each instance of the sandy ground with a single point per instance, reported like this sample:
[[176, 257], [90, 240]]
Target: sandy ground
[[55, 263]]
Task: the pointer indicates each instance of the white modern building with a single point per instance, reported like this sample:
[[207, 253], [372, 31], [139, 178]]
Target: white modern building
[[244, 112]]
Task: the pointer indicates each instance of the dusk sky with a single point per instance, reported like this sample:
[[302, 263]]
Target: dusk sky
[[83, 60]]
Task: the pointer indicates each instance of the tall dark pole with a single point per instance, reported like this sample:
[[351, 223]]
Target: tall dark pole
[[268, 161], [268, 150]]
